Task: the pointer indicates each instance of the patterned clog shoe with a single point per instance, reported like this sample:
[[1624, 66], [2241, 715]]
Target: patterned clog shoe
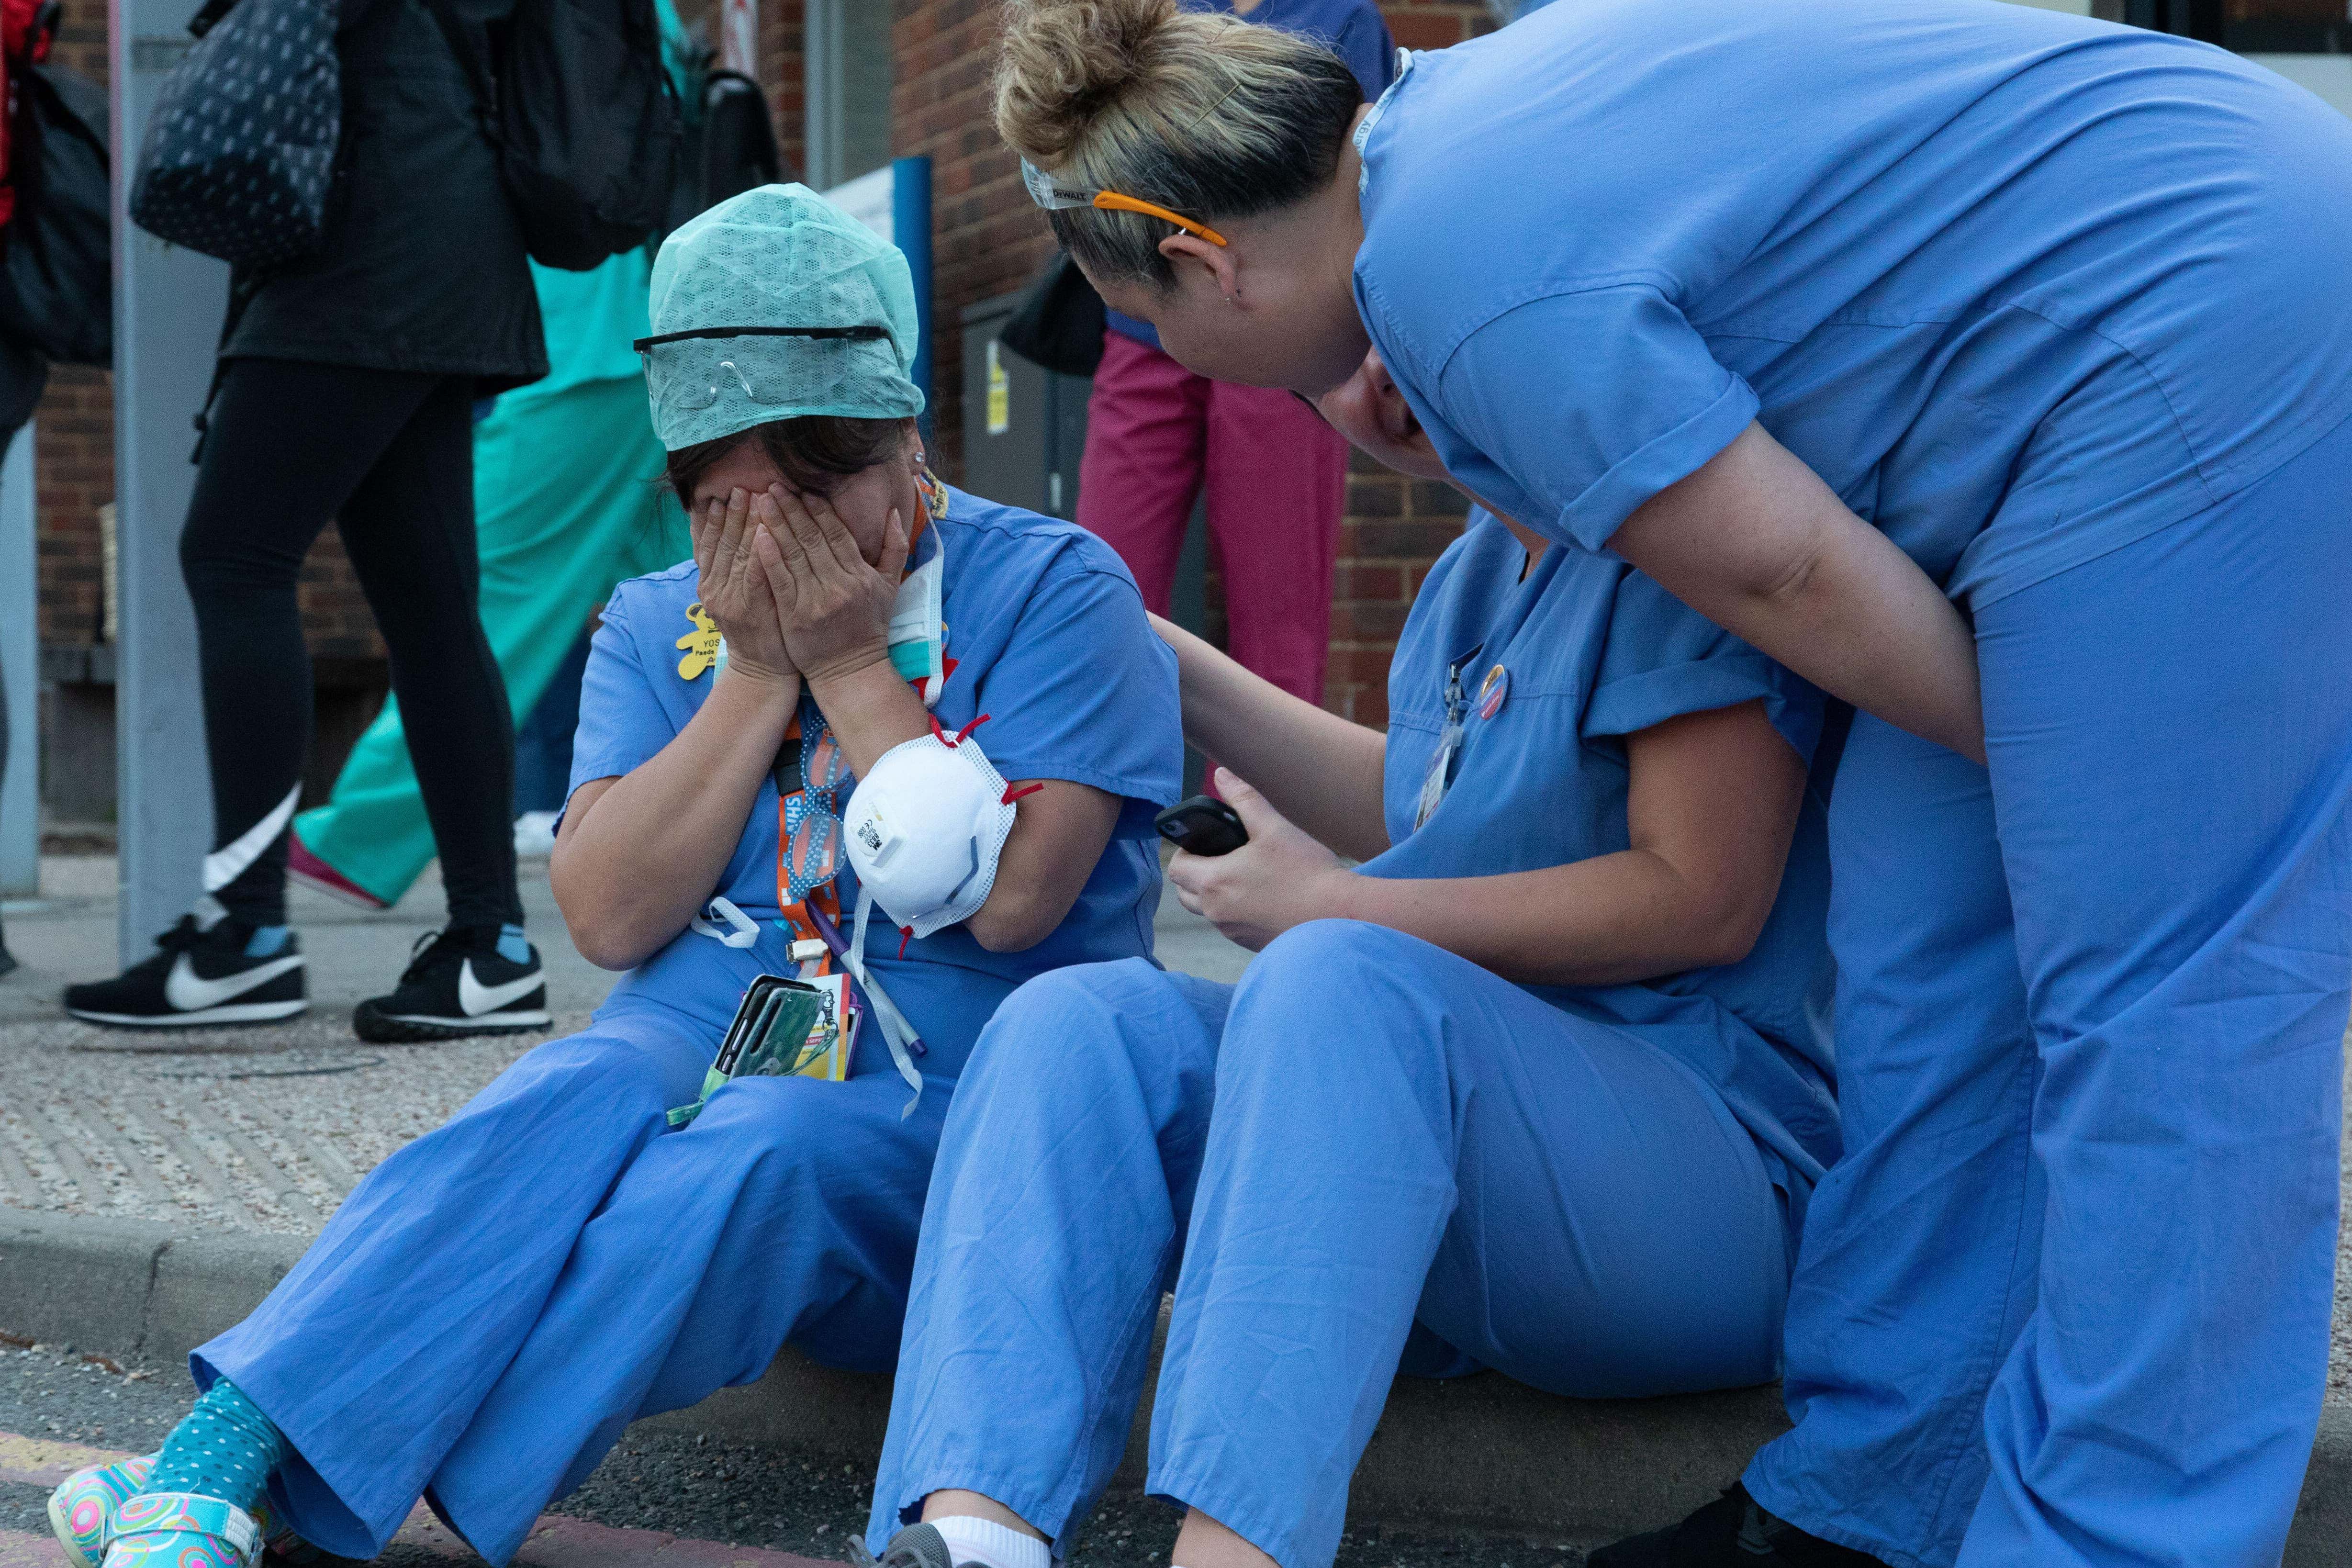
[[81, 1511], [181, 1530]]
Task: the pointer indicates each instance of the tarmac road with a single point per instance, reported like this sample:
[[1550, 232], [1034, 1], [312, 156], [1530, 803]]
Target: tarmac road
[[678, 1498]]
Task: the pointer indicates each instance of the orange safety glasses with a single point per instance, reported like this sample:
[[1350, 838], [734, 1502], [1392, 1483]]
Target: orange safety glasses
[[1053, 197]]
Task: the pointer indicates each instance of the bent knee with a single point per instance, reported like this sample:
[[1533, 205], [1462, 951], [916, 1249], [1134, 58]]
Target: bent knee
[[1336, 982], [631, 1077], [761, 1117], [1069, 1015], [1347, 965]]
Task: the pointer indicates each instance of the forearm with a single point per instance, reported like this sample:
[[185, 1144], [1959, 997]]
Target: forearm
[[1756, 543], [637, 862], [1613, 920], [1318, 769], [870, 709], [1058, 831]]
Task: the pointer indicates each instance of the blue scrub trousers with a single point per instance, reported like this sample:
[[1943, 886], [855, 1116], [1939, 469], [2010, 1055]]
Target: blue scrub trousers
[[1399, 1136], [1917, 1264], [498, 1300], [2169, 729]]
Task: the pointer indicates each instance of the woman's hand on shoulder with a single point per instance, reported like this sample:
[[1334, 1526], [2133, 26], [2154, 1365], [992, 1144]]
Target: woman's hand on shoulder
[[735, 592], [1280, 878], [834, 606]]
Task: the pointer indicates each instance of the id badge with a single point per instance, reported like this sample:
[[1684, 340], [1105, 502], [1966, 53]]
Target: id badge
[[1433, 781]]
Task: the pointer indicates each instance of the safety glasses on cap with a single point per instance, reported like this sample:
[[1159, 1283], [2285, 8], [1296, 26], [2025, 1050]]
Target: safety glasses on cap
[[1055, 196], [696, 381]]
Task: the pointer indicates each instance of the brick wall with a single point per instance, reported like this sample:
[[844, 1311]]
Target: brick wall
[[74, 473], [988, 239]]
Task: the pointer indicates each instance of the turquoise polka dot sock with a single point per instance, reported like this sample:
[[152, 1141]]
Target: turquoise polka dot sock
[[226, 1450]]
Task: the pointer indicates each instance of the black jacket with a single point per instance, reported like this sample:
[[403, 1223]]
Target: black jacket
[[423, 267]]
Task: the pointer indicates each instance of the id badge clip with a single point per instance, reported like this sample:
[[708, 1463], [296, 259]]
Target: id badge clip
[[1440, 776]]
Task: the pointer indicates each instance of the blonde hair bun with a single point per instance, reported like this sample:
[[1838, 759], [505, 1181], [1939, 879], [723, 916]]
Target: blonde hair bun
[[1202, 112], [1063, 62]]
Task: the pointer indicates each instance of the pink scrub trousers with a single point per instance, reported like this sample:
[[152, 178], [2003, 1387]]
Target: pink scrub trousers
[[1157, 436]]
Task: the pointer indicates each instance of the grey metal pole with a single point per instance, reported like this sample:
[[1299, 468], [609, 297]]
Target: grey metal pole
[[20, 666], [821, 50], [168, 304]]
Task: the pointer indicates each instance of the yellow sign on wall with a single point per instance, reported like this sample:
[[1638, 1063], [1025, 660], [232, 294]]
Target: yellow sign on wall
[[1000, 393]]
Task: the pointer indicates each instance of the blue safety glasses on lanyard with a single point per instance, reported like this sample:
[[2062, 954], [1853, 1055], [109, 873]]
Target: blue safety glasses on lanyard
[[1440, 776], [811, 851]]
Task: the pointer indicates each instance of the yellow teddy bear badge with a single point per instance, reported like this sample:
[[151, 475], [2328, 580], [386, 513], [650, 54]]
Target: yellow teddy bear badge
[[701, 643]]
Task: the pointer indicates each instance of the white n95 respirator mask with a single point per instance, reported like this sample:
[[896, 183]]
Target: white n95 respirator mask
[[925, 829]]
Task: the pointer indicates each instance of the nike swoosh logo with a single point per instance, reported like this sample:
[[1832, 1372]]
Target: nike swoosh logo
[[477, 998], [192, 993]]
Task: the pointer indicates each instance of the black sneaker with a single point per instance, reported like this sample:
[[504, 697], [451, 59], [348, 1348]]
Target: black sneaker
[[457, 985], [199, 976], [1732, 1531]]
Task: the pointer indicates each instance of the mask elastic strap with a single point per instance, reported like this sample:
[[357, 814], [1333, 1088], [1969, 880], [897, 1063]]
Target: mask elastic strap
[[895, 1032]]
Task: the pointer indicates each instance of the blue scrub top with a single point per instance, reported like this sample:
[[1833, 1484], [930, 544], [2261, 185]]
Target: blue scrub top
[[1353, 28], [1048, 637], [1595, 652], [2021, 286]]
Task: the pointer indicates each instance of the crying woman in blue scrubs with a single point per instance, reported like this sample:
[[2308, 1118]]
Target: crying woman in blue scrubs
[[1542, 1084], [602, 1233]]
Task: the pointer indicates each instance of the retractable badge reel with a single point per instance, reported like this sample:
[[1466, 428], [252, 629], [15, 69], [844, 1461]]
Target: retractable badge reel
[[1440, 776]]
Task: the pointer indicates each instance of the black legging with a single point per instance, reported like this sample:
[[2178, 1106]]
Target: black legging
[[389, 456]]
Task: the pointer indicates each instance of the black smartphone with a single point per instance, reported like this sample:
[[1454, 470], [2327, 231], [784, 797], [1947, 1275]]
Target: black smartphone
[[1201, 824]]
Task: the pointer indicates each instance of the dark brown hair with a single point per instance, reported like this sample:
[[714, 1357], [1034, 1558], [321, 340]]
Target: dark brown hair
[[814, 452]]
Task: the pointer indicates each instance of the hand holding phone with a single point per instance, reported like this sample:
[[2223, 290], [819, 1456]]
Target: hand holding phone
[[1201, 824]]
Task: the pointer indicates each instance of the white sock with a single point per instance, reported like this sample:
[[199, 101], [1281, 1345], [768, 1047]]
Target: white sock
[[991, 1544]]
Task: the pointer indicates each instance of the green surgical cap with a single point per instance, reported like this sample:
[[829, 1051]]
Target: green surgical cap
[[781, 255]]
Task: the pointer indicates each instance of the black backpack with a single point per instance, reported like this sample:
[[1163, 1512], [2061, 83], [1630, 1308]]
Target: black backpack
[[729, 149], [56, 270], [239, 155], [1059, 323], [586, 125]]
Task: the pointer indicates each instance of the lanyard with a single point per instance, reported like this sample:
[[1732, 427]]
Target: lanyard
[[1440, 776], [810, 773]]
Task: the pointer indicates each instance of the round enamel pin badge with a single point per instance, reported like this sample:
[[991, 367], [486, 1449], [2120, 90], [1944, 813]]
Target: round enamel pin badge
[[1493, 692]]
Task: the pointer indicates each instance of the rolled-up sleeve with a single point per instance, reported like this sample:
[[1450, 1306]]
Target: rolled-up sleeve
[[1580, 407], [1663, 661]]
